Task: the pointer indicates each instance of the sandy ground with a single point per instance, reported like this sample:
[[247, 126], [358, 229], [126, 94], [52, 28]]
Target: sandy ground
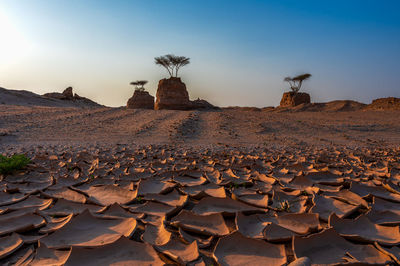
[[21, 125]]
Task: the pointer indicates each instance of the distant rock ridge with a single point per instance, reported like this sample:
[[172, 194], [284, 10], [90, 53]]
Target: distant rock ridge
[[244, 108], [291, 99], [141, 100], [28, 98], [200, 104], [333, 106], [389, 103], [68, 95], [173, 95], [381, 104]]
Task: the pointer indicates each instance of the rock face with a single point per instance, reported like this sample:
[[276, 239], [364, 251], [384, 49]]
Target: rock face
[[390, 103], [290, 99], [141, 100], [172, 94]]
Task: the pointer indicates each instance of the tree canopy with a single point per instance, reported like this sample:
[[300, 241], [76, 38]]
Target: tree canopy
[[172, 63], [296, 82], [139, 84]]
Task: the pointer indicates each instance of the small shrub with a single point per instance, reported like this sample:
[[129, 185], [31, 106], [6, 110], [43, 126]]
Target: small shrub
[[139, 85], [304, 193], [14, 163], [285, 206], [139, 199], [172, 63], [296, 82]]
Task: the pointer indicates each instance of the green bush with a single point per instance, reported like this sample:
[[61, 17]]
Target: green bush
[[14, 163]]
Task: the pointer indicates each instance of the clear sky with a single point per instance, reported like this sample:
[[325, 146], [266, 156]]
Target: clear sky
[[240, 50]]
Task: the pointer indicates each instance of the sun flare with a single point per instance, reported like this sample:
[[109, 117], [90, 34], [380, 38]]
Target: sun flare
[[13, 45]]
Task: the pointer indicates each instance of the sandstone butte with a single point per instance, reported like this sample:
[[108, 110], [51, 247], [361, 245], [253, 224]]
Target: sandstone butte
[[141, 100], [290, 99], [172, 94]]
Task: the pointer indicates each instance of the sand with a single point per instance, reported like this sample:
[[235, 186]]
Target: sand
[[234, 127]]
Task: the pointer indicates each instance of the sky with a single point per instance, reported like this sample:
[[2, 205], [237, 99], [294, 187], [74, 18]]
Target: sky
[[240, 51]]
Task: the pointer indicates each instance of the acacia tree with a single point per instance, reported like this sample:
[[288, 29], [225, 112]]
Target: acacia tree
[[139, 84], [296, 82], [172, 63]]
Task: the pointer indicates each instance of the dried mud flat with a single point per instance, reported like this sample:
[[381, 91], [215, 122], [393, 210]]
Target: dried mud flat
[[212, 192], [166, 205]]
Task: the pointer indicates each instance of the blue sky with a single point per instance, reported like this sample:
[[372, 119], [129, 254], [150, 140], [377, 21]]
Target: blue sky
[[240, 50]]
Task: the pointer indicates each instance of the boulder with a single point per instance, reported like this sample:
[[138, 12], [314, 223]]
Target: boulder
[[389, 103], [290, 99], [141, 100], [172, 94]]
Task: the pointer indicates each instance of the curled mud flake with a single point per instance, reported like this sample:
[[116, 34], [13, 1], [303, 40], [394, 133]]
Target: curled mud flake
[[362, 229], [85, 230], [122, 251], [235, 249]]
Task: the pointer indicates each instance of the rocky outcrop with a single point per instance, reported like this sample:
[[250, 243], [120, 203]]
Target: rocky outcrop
[[242, 108], [172, 94], [390, 103], [200, 104], [333, 106], [27, 98], [141, 100], [290, 99], [68, 96], [68, 93]]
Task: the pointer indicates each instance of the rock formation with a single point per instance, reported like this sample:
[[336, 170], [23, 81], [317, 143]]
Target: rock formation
[[141, 100], [390, 103], [68, 96], [290, 99], [68, 93], [172, 94], [333, 106], [202, 104]]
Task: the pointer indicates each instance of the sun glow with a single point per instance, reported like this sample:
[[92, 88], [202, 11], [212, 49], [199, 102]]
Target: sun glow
[[13, 44]]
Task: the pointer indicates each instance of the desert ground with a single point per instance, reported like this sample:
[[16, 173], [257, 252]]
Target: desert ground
[[25, 125], [220, 187]]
